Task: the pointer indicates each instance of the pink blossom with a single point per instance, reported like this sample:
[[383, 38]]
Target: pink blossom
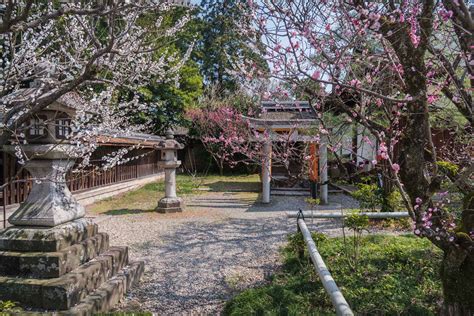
[[355, 83], [395, 167], [383, 151], [432, 98], [415, 39], [316, 74], [367, 140]]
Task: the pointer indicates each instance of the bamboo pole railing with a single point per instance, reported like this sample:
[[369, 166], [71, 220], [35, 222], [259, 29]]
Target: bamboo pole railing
[[339, 302], [314, 214]]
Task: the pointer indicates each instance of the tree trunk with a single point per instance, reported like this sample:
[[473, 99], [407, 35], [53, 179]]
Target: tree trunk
[[457, 268], [457, 275], [221, 168]]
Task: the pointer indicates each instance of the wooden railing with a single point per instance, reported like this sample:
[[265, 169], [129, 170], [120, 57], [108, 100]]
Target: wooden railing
[[85, 179], [15, 191]]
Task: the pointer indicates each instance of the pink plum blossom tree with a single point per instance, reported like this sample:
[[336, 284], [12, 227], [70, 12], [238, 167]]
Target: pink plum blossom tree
[[391, 67], [223, 133], [232, 139]]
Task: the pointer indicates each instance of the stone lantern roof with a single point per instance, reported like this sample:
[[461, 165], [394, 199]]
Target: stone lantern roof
[[169, 142], [71, 100], [66, 107]]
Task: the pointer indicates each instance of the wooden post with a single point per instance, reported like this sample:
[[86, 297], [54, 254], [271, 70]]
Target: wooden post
[[313, 168], [323, 167]]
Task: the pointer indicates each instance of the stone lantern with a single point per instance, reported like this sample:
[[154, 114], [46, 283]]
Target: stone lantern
[[169, 154], [53, 258], [50, 202]]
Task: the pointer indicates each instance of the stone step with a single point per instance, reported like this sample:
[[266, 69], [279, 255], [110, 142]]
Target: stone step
[[68, 290], [46, 265], [46, 239], [109, 293]]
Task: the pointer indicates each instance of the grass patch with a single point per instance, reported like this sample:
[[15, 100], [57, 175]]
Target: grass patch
[[234, 183], [395, 276], [146, 198]]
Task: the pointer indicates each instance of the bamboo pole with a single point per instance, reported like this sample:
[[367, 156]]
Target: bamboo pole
[[338, 300], [308, 214]]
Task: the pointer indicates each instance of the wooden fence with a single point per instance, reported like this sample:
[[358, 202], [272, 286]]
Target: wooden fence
[[85, 179]]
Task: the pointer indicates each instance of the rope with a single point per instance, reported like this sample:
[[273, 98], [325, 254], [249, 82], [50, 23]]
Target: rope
[[300, 215]]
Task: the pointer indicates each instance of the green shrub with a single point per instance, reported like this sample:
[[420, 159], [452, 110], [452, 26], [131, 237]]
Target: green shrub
[[448, 167], [395, 223], [312, 202], [395, 201], [397, 276], [9, 306], [368, 195], [371, 197], [358, 224], [318, 237]]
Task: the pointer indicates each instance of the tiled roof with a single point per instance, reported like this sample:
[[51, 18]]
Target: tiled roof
[[142, 139], [284, 114], [286, 110], [287, 116]]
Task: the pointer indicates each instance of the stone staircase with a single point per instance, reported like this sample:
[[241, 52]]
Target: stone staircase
[[69, 268]]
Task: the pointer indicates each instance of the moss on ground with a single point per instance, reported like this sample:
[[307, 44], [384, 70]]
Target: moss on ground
[[395, 276]]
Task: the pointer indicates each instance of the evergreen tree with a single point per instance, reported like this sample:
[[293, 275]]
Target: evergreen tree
[[222, 45], [169, 100]]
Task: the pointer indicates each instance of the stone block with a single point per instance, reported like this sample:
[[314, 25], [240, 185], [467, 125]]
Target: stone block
[[27, 292], [68, 290], [41, 265], [170, 205], [109, 293], [46, 239]]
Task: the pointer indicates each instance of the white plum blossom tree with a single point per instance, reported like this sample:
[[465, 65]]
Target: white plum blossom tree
[[82, 50]]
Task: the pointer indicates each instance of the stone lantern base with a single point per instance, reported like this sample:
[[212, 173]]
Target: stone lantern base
[[170, 205], [69, 267], [54, 259]]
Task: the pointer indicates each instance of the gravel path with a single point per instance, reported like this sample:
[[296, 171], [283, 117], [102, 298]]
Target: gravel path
[[198, 259]]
